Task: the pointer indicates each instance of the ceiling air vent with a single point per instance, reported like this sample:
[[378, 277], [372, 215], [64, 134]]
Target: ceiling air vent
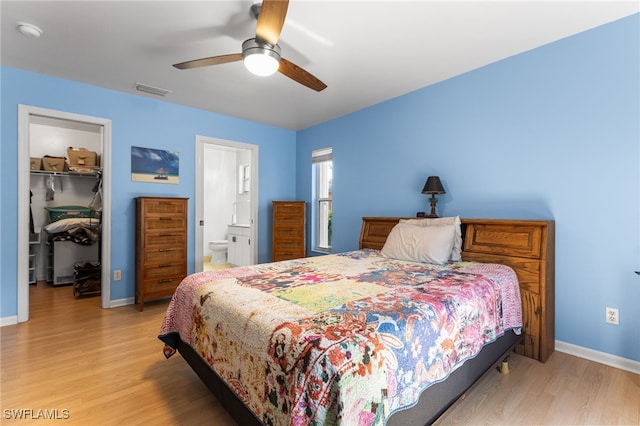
[[158, 91]]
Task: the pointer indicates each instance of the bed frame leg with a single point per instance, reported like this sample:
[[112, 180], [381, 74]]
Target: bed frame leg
[[504, 368]]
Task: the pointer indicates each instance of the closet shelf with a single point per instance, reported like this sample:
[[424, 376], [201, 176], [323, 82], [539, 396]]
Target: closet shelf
[[68, 173]]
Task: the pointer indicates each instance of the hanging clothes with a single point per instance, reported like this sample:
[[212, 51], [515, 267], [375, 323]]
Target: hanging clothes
[[96, 206], [49, 184], [32, 228], [96, 201]]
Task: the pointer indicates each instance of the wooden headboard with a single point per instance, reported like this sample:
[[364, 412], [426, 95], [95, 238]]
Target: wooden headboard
[[527, 246]]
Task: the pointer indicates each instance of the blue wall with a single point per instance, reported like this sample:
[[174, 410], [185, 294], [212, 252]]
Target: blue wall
[[552, 133], [136, 121]]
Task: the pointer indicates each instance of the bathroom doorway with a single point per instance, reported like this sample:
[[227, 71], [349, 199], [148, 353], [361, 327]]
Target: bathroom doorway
[[226, 203]]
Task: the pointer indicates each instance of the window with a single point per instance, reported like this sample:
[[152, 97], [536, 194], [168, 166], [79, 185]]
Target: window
[[322, 163]]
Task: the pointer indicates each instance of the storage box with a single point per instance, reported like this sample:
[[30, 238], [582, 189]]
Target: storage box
[[68, 212], [36, 163], [82, 158], [54, 164]]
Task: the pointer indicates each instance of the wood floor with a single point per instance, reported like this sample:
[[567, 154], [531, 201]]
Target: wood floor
[[91, 366]]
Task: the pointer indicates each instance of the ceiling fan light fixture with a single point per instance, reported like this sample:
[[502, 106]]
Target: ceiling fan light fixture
[[261, 59]]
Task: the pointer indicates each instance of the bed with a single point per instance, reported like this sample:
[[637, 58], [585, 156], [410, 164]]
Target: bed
[[365, 338]]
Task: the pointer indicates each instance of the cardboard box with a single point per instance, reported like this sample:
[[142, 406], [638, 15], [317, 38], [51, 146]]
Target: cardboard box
[[54, 164], [82, 158], [36, 163]]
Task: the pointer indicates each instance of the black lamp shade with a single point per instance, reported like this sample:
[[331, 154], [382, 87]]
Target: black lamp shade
[[433, 186]]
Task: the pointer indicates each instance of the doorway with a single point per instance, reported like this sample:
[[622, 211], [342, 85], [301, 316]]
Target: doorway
[[27, 116], [231, 170]]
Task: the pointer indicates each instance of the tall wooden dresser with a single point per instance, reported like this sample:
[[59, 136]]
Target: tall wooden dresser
[[161, 246], [288, 241]]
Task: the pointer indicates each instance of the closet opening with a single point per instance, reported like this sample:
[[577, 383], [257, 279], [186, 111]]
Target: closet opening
[[63, 205]]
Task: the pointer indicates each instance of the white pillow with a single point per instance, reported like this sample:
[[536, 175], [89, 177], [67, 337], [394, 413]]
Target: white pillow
[[428, 244], [456, 252], [63, 225]]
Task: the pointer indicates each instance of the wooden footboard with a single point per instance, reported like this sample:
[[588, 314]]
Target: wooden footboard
[[527, 246]]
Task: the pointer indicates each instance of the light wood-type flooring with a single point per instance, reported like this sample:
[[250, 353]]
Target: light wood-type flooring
[[92, 366]]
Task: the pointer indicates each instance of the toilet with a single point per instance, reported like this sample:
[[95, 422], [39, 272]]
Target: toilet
[[218, 252]]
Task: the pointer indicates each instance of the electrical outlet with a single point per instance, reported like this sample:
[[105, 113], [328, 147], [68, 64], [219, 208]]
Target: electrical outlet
[[117, 275], [612, 316]]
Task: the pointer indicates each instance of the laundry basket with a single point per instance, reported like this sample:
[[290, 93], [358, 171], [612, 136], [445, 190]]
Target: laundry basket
[[69, 212]]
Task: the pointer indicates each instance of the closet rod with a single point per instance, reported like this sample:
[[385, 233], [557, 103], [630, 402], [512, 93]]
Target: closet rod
[[69, 174]]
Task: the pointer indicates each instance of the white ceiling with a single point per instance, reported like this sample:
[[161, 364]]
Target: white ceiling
[[365, 51]]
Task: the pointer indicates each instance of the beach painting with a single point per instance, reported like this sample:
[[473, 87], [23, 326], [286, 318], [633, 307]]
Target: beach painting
[[154, 165]]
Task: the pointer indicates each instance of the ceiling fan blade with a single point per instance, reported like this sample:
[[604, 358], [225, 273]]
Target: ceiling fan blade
[[300, 75], [271, 20], [205, 62]]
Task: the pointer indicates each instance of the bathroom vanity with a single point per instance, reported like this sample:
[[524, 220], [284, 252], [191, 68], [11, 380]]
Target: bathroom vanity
[[239, 250]]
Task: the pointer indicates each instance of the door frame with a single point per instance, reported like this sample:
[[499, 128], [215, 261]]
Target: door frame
[[25, 112], [201, 143]]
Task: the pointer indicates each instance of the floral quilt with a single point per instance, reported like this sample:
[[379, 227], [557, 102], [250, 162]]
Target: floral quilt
[[340, 339]]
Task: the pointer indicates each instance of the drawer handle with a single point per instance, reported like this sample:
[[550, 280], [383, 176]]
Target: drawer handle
[[166, 235], [165, 281], [165, 218], [165, 249], [164, 265]]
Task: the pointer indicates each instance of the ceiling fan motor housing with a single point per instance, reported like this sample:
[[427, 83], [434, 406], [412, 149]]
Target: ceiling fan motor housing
[[254, 46]]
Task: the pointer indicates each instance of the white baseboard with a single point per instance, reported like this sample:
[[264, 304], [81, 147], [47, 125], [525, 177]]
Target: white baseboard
[[600, 357], [12, 320], [122, 302]]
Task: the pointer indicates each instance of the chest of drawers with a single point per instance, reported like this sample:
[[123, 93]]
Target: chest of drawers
[[161, 246], [288, 240]]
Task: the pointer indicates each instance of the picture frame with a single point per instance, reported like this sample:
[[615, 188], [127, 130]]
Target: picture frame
[[153, 165]]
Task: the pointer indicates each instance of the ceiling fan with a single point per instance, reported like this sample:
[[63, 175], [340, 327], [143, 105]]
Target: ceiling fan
[[261, 54]]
